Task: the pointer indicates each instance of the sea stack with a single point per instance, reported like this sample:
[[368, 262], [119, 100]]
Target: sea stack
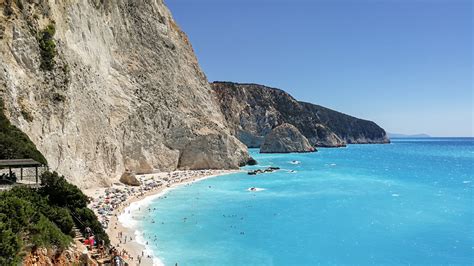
[[286, 138]]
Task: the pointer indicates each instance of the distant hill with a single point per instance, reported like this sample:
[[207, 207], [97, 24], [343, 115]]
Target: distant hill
[[252, 111], [405, 136]]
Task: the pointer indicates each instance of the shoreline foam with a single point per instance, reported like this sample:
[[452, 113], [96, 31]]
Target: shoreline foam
[[121, 218]]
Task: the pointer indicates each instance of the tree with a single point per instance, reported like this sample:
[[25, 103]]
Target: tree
[[60, 192]]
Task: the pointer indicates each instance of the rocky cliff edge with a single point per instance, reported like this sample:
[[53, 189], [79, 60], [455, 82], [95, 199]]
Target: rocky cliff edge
[[253, 110], [104, 86]]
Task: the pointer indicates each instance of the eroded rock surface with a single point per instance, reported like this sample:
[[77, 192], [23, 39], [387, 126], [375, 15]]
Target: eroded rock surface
[[124, 91], [285, 138], [253, 110], [129, 178]]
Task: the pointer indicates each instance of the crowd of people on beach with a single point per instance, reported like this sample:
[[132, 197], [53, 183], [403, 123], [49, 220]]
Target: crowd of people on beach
[[116, 197], [105, 205], [124, 253]]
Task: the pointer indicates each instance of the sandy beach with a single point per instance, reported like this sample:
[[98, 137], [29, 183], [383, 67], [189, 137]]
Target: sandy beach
[[112, 205]]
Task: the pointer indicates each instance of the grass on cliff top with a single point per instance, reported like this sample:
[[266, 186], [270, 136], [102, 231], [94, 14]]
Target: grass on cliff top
[[14, 144]]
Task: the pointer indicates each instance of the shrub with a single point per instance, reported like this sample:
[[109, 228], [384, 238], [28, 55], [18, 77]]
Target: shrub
[[47, 47], [40, 217], [63, 194], [44, 233], [60, 192], [43, 217], [61, 217], [89, 219], [9, 246], [15, 213]]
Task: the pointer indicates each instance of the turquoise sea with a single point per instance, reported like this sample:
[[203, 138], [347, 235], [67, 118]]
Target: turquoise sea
[[409, 202]]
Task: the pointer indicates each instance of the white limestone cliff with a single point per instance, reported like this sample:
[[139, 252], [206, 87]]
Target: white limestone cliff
[[126, 90]]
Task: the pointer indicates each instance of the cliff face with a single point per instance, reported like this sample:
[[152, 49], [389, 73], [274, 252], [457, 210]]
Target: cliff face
[[15, 144], [252, 111], [101, 86]]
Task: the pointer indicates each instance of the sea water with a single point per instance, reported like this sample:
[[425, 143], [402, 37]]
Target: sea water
[[408, 202]]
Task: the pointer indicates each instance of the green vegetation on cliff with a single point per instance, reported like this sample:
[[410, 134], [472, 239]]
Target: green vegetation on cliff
[[47, 47], [14, 144], [24, 222], [43, 217], [62, 194]]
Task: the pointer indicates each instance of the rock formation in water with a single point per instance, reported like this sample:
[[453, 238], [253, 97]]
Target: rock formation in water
[[252, 111], [104, 86], [285, 138]]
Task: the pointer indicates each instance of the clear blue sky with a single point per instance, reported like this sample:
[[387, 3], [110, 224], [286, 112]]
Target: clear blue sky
[[405, 64]]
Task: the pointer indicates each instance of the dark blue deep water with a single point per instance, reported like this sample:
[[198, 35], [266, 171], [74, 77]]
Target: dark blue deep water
[[409, 202]]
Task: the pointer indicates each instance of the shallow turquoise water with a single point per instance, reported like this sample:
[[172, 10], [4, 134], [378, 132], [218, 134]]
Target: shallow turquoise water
[[409, 202]]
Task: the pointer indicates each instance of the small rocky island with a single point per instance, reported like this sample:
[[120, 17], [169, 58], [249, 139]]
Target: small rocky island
[[285, 138], [270, 169]]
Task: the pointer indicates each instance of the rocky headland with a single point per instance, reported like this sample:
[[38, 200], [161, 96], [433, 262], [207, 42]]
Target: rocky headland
[[252, 111]]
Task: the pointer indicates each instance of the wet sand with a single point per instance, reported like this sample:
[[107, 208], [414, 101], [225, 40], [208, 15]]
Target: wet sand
[[116, 228]]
